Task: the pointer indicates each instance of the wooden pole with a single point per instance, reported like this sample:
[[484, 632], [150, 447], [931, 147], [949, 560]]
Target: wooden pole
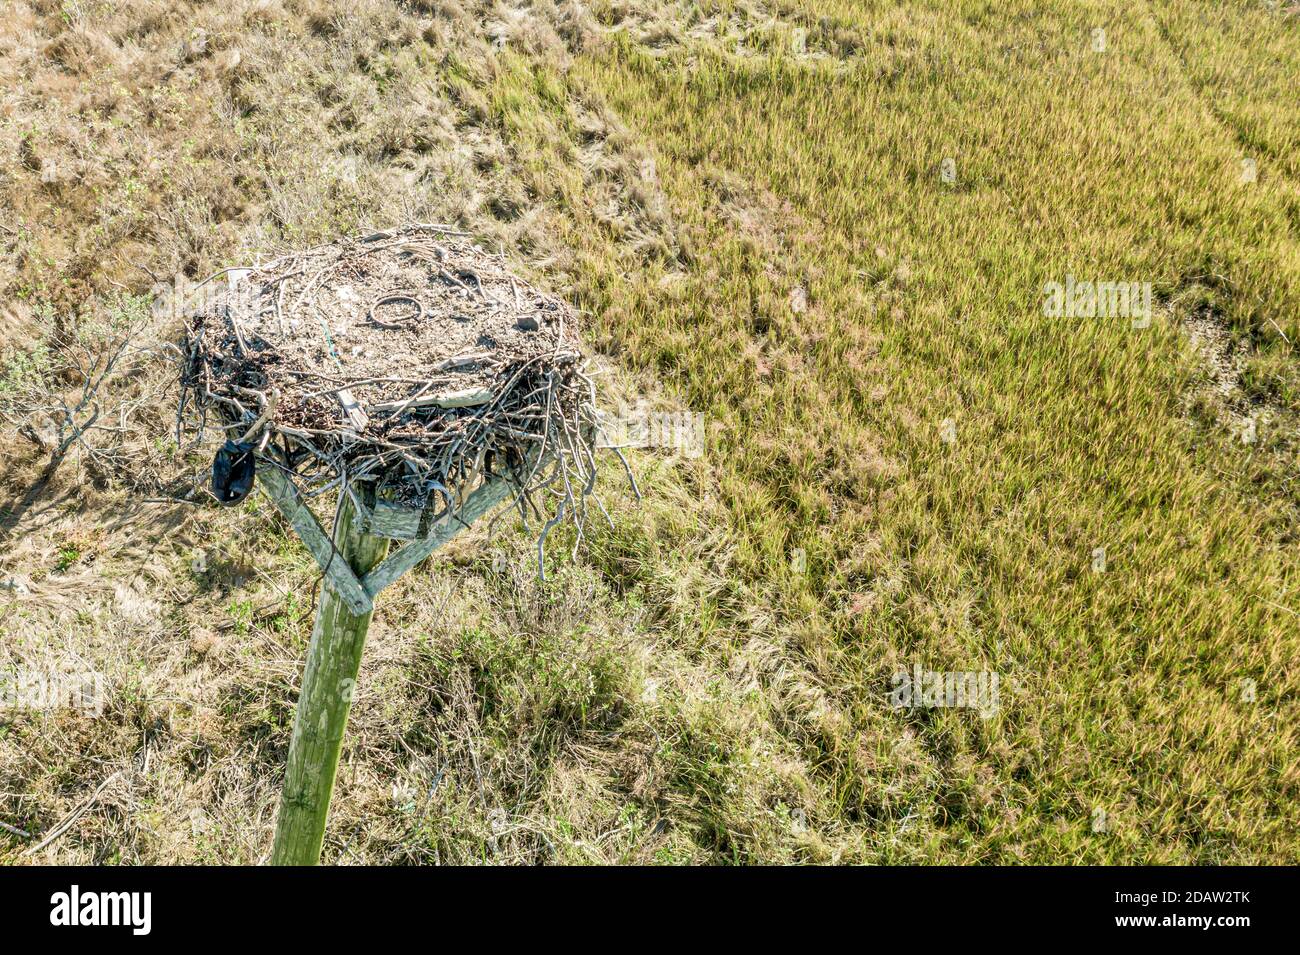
[[333, 659]]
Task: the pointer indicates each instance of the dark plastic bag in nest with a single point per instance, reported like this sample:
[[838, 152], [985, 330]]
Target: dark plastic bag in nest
[[233, 470]]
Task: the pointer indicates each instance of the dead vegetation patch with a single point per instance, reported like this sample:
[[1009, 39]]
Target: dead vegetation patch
[[1225, 360]]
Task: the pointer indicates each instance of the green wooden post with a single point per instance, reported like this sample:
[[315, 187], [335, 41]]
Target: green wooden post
[[328, 680]]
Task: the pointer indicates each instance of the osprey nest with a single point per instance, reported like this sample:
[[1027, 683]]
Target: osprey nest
[[403, 360]]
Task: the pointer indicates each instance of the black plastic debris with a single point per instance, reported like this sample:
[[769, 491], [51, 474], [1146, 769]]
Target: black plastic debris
[[232, 472]]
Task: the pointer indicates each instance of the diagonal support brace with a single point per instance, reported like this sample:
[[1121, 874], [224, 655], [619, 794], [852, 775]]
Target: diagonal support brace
[[481, 500], [287, 499], [359, 594]]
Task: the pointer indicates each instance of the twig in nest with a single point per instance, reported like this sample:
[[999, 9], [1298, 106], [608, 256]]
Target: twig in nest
[[268, 409]]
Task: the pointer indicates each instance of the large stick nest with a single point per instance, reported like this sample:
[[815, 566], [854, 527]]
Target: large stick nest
[[404, 358]]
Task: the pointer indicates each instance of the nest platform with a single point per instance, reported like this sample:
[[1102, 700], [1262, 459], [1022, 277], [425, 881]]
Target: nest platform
[[407, 361]]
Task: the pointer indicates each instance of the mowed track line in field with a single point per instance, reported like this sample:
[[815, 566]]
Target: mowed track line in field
[[1243, 59]]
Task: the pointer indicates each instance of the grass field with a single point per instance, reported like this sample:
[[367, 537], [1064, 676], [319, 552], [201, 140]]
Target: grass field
[[826, 227]]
